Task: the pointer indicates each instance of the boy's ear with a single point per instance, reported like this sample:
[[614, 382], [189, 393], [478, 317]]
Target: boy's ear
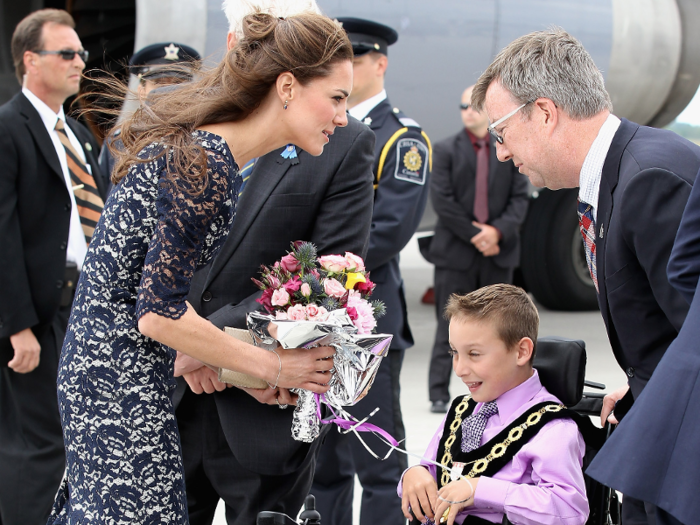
[[525, 348]]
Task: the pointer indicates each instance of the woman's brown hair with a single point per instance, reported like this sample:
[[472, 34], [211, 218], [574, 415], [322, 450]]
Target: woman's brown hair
[[307, 45]]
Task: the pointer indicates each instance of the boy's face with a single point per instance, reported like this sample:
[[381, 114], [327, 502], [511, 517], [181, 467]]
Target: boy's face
[[483, 362]]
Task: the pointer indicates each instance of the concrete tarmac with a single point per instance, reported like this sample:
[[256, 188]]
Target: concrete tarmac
[[419, 421]]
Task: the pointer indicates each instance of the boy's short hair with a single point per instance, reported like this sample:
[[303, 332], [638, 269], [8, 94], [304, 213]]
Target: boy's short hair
[[508, 307]]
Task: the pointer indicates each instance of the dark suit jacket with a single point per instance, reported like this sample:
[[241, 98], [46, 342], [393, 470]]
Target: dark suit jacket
[[652, 454], [326, 200], [452, 189], [646, 181], [35, 212], [399, 203]]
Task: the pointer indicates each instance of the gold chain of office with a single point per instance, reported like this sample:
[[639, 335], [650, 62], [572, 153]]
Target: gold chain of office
[[497, 450]]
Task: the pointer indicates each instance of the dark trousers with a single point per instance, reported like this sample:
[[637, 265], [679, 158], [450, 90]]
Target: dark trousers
[[636, 512], [482, 273], [212, 471], [342, 456], [32, 456]]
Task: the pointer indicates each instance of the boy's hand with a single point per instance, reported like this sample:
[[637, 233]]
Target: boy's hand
[[455, 496], [419, 491]]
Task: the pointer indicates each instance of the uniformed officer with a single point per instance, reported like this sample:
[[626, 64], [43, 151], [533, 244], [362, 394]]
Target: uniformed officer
[[401, 168], [156, 65]]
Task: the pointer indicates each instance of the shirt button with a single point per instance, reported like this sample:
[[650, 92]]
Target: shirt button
[[59, 284], [630, 372], [64, 245], [206, 296]]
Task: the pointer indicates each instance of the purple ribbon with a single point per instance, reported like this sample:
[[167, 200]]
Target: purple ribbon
[[347, 425]]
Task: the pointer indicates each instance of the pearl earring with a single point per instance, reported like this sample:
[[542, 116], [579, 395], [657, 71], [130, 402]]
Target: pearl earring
[[285, 104]]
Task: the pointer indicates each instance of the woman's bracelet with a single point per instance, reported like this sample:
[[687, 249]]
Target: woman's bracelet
[[279, 370]]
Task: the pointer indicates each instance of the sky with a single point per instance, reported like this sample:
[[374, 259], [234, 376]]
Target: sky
[[691, 114]]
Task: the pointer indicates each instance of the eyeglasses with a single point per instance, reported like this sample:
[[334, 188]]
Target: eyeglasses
[[66, 54], [465, 106], [491, 128]]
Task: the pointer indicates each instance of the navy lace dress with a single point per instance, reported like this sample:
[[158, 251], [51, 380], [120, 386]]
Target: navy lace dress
[[123, 459]]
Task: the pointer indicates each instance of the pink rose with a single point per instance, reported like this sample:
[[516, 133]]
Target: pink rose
[[311, 310], [354, 262], [305, 290], [333, 288], [293, 284], [333, 263], [281, 315], [322, 314], [296, 313], [280, 297], [289, 263], [273, 281], [364, 320]]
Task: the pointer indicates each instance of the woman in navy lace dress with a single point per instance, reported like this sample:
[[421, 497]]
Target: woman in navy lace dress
[[171, 210]]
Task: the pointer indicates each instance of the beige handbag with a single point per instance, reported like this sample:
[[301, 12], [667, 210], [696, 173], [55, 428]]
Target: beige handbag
[[237, 378]]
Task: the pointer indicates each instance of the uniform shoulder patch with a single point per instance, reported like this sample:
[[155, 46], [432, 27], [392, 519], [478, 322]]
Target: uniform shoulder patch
[[411, 161]]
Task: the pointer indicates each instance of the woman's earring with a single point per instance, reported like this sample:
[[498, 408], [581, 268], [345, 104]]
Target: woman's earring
[[285, 104]]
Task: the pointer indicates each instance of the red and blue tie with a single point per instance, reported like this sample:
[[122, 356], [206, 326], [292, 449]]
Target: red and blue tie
[[587, 225]]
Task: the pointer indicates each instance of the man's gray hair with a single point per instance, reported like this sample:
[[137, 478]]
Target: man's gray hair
[[547, 64], [236, 10]]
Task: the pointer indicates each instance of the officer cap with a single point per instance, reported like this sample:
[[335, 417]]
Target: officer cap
[[367, 36], [153, 61]]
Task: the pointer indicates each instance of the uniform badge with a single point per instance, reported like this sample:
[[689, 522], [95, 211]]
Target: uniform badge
[[367, 121], [601, 231], [411, 161], [171, 52]]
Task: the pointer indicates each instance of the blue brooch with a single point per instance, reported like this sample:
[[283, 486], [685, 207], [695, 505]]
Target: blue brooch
[[290, 152]]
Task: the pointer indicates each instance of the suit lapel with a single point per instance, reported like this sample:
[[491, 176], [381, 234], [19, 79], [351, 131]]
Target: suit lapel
[[38, 131], [608, 183], [267, 173]]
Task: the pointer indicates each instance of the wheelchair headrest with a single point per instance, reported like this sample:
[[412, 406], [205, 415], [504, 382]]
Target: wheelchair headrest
[[561, 365]]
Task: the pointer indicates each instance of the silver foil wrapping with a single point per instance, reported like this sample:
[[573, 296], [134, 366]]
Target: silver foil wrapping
[[355, 363]]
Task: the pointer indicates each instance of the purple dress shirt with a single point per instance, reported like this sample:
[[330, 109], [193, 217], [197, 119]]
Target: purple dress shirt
[[543, 484]]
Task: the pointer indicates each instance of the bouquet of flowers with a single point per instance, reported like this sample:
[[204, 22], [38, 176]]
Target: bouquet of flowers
[[323, 301], [304, 287]]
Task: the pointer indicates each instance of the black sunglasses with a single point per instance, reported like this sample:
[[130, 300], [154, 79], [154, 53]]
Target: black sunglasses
[[465, 106], [66, 54]]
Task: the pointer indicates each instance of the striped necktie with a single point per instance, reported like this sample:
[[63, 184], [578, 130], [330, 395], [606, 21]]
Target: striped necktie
[[587, 225], [245, 173], [87, 198]]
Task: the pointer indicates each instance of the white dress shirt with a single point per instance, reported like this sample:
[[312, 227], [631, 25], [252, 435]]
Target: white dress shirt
[[363, 108], [77, 248], [592, 169]]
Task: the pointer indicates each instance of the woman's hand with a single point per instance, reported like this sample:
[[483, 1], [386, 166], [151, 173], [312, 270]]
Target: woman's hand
[[455, 496], [305, 368], [419, 490]]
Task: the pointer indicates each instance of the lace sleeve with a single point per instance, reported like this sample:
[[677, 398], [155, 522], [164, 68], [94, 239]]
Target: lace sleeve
[[179, 236]]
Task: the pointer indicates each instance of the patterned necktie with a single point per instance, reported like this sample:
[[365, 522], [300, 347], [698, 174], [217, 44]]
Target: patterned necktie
[[245, 173], [473, 426], [587, 225], [87, 198], [481, 192]]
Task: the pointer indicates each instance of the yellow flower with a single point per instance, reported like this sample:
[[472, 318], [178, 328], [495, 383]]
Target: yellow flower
[[353, 279]]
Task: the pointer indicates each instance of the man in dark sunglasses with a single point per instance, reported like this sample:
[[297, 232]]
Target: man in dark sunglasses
[[50, 200]]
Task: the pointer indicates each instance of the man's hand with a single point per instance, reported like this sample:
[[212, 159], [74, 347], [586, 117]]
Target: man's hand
[[486, 241], [204, 379], [268, 396], [419, 491], [27, 350], [609, 404], [185, 364]]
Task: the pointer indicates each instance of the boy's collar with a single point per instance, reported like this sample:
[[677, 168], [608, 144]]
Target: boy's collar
[[511, 401]]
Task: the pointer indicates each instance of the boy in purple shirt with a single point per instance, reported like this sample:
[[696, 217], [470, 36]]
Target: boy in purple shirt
[[509, 448]]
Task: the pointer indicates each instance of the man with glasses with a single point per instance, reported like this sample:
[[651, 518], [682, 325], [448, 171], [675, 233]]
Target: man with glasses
[[552, 117], [480, 204], [50, 201]]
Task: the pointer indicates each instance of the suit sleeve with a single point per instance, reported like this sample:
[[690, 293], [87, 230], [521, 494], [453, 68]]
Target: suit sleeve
[[343, 220], [452, 214], [651, 209], [17, 310], [684, 264], [513, 216], [398, 206]]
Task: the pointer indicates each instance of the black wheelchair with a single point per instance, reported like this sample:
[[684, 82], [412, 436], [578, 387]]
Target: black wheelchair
[[561, 365]]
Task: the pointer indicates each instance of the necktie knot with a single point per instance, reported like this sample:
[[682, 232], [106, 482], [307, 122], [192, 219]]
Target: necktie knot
[[482, 143], [473, 426], [59, 125]]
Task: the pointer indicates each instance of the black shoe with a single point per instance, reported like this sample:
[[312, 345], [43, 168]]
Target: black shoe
[[439, 407]]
